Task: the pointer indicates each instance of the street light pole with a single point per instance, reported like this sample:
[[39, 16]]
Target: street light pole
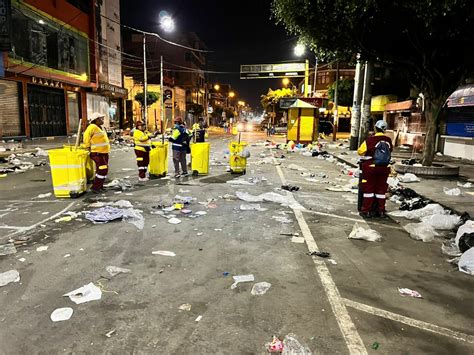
[[162, 98], [315, 75], [145, 83], [336, 112]]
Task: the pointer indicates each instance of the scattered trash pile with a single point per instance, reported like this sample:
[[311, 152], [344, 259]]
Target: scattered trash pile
[[21, 162], [180, 206], [288, 346], [119, 185], [436, 221], [111, 213]]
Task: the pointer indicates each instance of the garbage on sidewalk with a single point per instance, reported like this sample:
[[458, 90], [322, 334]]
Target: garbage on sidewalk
[[359, 232], [428, 210], [441, 221], [290, 188], [163, 253], [108, 214], [7, 249], [283, 200], [185, 307], [408, 177], [260, 288], [241, 278], [321, 254], [9, 277], [465, 236], [452, 192], [252, 207], [408, 292], [466, 262], [61, 314], [288, 346], [275, 346], [86, 293], [467, 185]]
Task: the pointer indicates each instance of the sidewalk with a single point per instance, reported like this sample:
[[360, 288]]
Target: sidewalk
[[431, 188]]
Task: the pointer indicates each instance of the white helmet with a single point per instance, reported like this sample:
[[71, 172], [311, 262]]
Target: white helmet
[[95, 116], [381, 125]]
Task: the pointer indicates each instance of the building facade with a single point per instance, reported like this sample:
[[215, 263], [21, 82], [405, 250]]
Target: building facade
[[49, 69]]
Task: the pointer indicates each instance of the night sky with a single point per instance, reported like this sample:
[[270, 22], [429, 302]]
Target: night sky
[[238, 32]]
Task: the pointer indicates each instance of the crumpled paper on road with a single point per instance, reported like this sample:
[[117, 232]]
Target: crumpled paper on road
[[86, 293], [8, 277], [359, 232]]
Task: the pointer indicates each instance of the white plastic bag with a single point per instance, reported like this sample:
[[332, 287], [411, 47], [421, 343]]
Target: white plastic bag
[[408, 177], [421, 231], [359, 232], [466, 262], [260, 288], [241, 278], [452, 192], [467, 227], [428, 210], [442, 221]]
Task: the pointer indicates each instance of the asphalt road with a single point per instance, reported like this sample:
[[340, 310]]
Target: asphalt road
[[337, 306]]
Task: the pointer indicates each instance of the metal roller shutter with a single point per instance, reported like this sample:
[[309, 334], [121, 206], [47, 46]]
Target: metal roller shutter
[[11, 117]]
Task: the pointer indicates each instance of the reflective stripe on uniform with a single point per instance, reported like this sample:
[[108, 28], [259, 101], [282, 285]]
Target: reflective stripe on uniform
[[75, 166], [177, 145], [142, 145], [380, 196], [100, 176], [142, 168], [102, 167], [369, 195], [140, 159], [100, 145], [72, 186], [364, 181]]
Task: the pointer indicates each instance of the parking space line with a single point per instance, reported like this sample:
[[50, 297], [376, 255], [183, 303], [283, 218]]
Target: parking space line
[[348, 329], [410, 321], [28, 228]]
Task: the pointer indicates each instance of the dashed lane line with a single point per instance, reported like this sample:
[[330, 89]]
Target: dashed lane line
[[410, 321], [349, 331]]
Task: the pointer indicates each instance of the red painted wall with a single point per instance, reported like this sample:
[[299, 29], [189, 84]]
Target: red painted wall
[[65, 12]]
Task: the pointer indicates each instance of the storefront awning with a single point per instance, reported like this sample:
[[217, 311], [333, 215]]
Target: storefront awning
[[377, 104], [462, 97], [301, 104], [400, 106]]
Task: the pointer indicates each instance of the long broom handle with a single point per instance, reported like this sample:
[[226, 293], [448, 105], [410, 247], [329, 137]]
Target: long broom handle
[[78, 138]]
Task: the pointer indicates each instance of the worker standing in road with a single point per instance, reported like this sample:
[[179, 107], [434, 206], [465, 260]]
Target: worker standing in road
[[375, 153], [180, 145], [142, 141], [95, 139]]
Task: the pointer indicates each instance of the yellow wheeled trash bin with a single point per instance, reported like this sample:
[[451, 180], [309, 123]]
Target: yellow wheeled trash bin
[[238, 161], [158, 166], [200, 158], [90, 168], [68, 171]]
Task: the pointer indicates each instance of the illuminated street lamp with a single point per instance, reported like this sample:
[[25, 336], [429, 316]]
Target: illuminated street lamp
[[217, 87], [231, 94], [285, 81], [166, 22], [299, 49]]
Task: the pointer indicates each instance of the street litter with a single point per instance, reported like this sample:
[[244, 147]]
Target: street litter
[[7, 249], [359, 232], [466, 262], [339, 189], [252, 207], [43, 195], [198, 319], [8, 277], [269, 197], [239, 182], [135, 217], [42, 248], [22, 260], [408, 292], [465, 236], [299, 240], [291, 346], [332, 261], [442, 221], [290, 188], [312, 180], [109, 334], [275, 346], [375, 345], [296, 167], [119, 184], [61, 314], [408, 177], [185, 307], [40, 152], [66, 255], [122, 204], [421, 231], [63, 219], [450, 248], [321, 254], [428, 210], [260, 288], [86, 293], [174, 220], [163, 253], [241, 278], [282, 219], [104, 214], [467, 185], [452, 192], [200, 213], [184, 199], [115, 270]]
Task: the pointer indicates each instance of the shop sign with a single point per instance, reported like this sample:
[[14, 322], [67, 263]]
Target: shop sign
[[47, 82], [5, 25], [113, 89]]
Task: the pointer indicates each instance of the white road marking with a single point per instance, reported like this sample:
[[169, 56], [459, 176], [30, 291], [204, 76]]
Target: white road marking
[[410, 321], [28, 228], [351, 336]]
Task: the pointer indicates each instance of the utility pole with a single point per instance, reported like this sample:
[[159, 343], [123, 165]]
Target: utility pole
[[366, 99], [162, 97], [355, 121], [336, 106], [306, 78], [315, 75], [145, 84]]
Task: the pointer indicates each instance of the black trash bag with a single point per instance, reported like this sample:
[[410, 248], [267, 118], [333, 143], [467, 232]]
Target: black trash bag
[[466, 242], [413, 204], [409, 161]]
